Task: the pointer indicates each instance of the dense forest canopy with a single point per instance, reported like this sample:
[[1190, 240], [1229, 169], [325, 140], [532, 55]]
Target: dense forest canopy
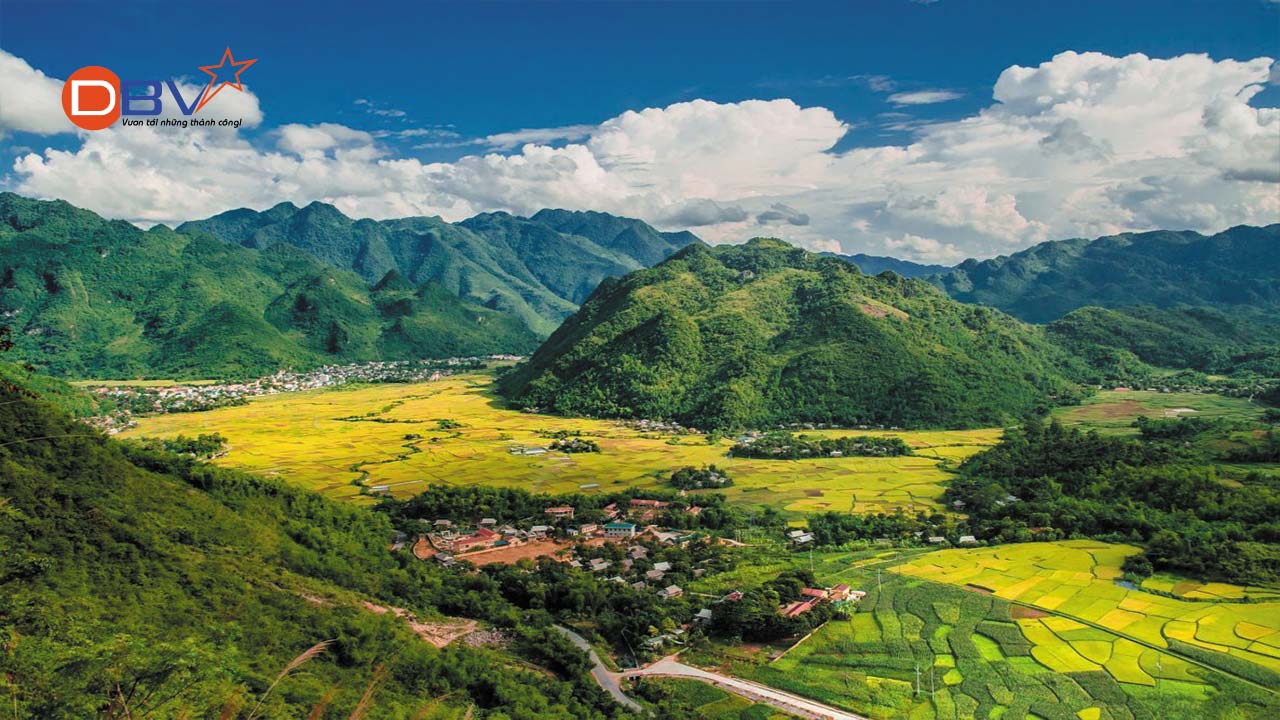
[[1046, 480], [765, 333]]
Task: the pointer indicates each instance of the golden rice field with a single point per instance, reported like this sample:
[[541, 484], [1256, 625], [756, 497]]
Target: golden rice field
[[1114, 411], [1076, 580], [328, 439]]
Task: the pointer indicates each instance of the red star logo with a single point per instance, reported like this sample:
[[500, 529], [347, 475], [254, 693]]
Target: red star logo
[[231, 72]]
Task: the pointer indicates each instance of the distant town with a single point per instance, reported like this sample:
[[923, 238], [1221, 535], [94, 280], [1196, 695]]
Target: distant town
[[123, 401]]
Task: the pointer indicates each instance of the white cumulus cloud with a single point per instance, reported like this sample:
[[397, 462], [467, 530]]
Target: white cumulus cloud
[[1083, 144], [924, 97]]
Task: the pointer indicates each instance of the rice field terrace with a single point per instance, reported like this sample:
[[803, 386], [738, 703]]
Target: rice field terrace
[[401, 437], [1115, 410], [968, 622], [1080, 615]]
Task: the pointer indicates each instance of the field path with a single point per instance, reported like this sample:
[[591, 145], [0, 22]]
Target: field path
[[787, 702]]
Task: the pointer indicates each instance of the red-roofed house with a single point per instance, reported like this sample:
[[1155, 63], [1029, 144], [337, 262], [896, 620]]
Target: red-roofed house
[[484, 537]]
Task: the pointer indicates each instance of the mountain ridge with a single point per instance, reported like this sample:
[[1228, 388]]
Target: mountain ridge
[[97, 298], [1239, 266], [538, 268]]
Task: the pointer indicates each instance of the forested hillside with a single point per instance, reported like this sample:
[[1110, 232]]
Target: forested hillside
[[89, 297], [1130, 342], [766, 333], [1238, 267], [134, 583], [536, 268], [876, 264]]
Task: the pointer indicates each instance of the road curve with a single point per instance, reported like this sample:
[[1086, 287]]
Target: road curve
[[787, 702], [606, 679]]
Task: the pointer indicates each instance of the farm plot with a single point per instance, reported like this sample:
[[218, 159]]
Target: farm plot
[[924, 650], [1077, 580], [1114, 411], [391, 437]]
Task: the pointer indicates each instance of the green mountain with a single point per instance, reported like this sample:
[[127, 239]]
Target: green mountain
[[538, 268], [135, 583], [876, 264], [765, 333], [1130, 342], [95, 298], [1239, 267], [632, 238]]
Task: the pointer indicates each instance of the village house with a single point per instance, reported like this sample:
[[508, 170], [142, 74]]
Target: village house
[[814, 593], [800, 538], [620, 530], [599, 564], [540, 530], [662, 566], [654, 575], [797, 608], [669, 592], [488, 522], [482, 538], [703, 616], [734, 596], [637, 552], [610, 511], [588, 528], [839, 592], [968, 540], [936, 540], [563, 512]]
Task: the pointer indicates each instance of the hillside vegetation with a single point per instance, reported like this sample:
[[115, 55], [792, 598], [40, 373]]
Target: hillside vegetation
[[1238, 267], [765, 333], [89, 297], [537, 269], [135, 583], [1120, 342]]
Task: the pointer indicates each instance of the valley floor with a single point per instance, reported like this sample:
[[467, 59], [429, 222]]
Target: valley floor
[[394, 438]]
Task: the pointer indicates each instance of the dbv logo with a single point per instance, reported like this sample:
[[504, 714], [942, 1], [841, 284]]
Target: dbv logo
[[93, 97]]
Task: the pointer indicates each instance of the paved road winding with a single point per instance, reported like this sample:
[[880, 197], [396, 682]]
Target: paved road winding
[[787, 702], [605, 677], [671, 667]]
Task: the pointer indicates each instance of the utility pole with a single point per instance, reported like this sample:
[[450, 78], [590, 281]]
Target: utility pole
[[931, 691], [917, 678]]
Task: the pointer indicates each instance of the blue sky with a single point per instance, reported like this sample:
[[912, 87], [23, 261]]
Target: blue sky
[[454, 73], [490, 67]]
